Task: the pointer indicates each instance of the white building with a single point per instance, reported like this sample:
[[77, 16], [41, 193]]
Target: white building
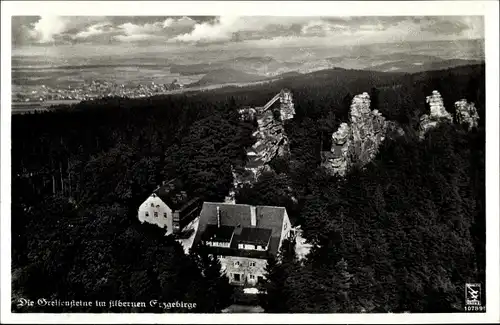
[[169, 208]]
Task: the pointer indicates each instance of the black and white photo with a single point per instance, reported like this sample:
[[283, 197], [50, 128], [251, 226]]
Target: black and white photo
[[230, 162]]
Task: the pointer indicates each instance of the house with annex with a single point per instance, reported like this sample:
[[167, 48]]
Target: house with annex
[[242, 237], [169, 207]]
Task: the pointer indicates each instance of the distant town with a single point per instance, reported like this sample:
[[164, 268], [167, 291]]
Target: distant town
[[92, 90]]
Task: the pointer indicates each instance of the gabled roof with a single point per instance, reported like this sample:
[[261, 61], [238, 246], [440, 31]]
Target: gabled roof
[[172, 194], [219, 234], [255, 236], [239, 217]]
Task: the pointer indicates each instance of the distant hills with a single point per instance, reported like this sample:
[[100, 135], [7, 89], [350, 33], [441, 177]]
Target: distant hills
[[221, 73], [259, 65], [427, 66], [408, 57], [232, 76], [223, 76]]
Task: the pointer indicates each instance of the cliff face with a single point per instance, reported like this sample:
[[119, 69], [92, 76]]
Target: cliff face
[[466, 113], [271, 140], [438, 114], [357, 143], [368, 129]]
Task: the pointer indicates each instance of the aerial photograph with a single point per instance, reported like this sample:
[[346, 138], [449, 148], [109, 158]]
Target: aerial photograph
[[248, 164]]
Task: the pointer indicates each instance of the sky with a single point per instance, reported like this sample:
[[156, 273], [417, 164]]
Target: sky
[[181, 32]]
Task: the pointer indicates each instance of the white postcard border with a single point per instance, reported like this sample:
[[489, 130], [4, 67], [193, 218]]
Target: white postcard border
[[489, 9]]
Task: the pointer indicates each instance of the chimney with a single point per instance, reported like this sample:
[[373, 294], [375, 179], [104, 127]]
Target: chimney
[[253, 216], [218, 217]]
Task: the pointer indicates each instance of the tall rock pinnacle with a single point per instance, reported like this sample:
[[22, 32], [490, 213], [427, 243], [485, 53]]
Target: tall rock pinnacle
[[356, 143], [437, 114]]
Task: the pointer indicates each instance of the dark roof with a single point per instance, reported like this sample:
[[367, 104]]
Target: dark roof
[[255, 236], [239, 217], [172, 194], [219, 234]]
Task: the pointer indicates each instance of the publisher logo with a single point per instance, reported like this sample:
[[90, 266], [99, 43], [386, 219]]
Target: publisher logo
[[473, 294]]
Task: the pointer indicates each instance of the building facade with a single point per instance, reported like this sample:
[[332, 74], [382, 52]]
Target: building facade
[[242, 237], [154, 211], [169, 207]]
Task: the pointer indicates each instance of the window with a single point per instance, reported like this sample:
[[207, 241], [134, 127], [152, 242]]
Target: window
[[156, 214], [164, 214], [146, 214], [237, 264], [252, 263], [158, 206], [251, 276], [237, 277], [255, 246], [152, 205]]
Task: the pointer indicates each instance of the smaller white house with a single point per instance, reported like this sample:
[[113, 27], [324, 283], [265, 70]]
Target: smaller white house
[[169, 208], [156, 212]]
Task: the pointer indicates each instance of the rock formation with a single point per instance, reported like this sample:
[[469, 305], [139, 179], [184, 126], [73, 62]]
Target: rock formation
[[287, 109], [438, 114], [466, 113], [271, 140], [336, 160], [357, 143]]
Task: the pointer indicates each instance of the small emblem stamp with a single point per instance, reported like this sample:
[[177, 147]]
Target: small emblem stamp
[[473, 294]]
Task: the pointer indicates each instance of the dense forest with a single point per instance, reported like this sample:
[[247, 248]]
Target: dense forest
[[403, 234]]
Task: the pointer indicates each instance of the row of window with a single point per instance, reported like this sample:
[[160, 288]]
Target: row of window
[[238, 263], [217, 244], [238, 277], [252, 247], [155, 214], [152, 205]]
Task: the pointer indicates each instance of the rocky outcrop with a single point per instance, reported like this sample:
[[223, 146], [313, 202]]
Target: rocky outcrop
[[466, 113], [271, 140], [336, 160], [438, 114], [368, 129], [287, 109], [357, 143]]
